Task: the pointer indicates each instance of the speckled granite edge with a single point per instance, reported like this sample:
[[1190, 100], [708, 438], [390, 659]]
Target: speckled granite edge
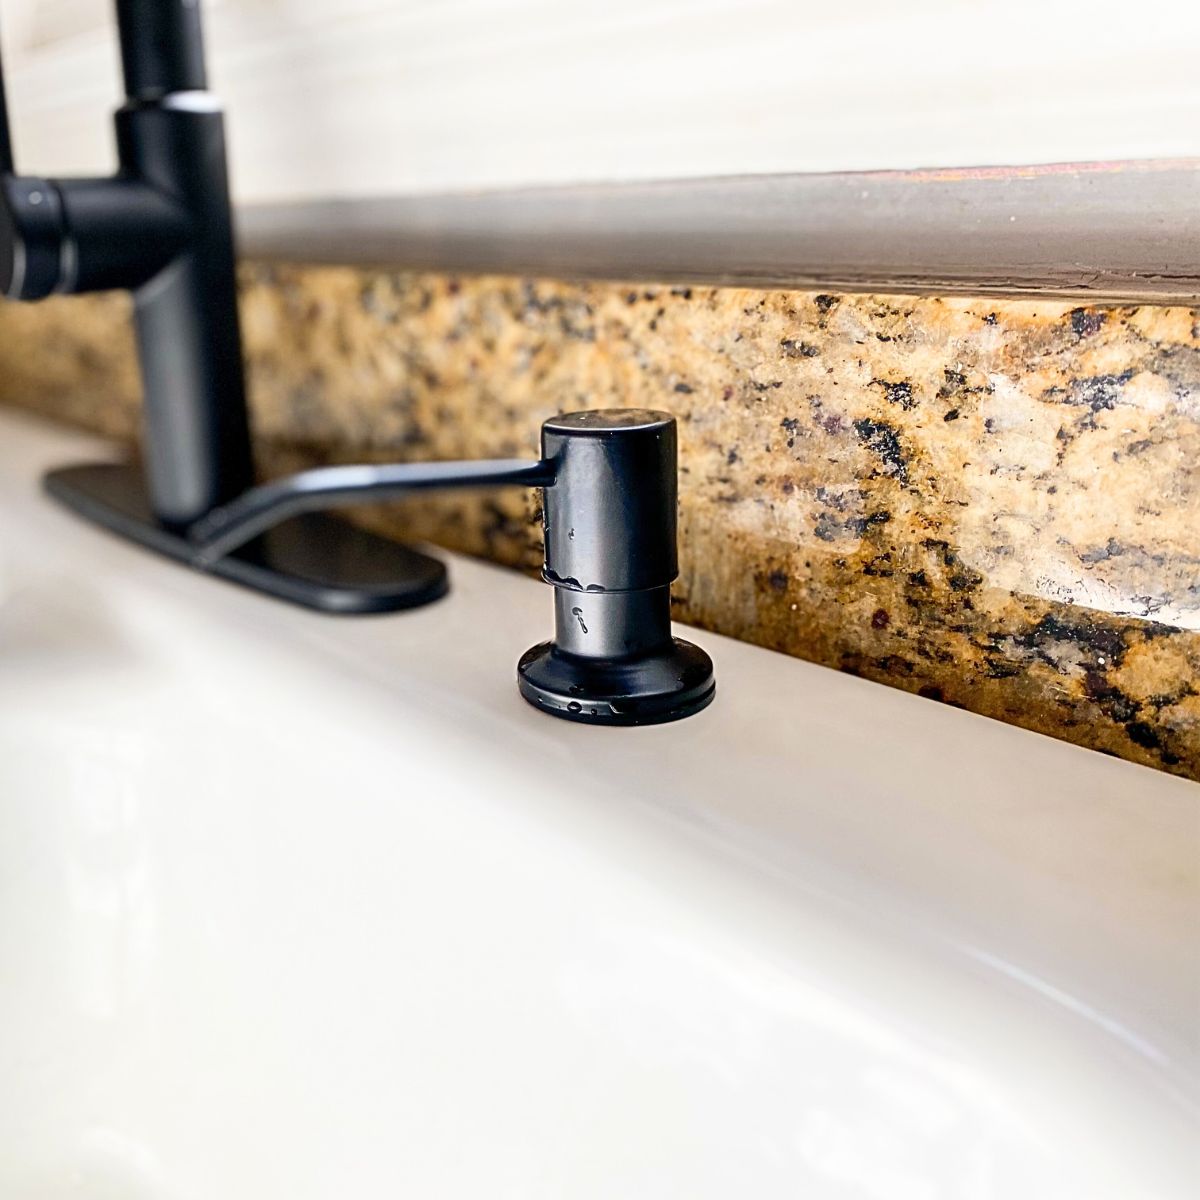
[[990, 503]]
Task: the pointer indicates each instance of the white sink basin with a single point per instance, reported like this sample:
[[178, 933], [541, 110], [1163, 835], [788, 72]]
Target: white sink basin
[[298, 906]]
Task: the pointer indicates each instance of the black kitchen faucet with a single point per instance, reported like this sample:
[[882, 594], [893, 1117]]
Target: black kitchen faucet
[[161, 227]]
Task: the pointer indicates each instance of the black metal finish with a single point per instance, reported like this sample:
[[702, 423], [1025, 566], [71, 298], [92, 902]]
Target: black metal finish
[[162, 49], [228, 527], [610, 519], [101, 219], [610, 524], [32, 236], [316, 561], [161, 227], [609, 492], [197, 442], [675, 682], [6, 154]]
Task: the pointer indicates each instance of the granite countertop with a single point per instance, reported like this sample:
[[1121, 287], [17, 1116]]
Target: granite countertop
[[991, 503]]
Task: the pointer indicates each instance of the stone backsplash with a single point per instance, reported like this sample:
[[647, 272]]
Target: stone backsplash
[[995, 504]]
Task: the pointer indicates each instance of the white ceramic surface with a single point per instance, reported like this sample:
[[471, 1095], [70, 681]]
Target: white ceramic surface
[[294, 906]]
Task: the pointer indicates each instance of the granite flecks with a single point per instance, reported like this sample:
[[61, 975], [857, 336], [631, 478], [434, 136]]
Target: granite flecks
[[992, 504]]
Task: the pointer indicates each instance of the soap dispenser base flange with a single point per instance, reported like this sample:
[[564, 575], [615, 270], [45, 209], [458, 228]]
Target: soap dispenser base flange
[[315, 560], [650, 689]]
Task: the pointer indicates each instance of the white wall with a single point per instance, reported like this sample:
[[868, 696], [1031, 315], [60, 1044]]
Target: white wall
[[370, 97]]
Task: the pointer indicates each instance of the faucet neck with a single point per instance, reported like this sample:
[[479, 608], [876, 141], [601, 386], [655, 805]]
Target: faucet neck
[[161, 228], [162, 48]]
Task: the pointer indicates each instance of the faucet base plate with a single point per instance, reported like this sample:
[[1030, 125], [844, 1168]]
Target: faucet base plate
[[316, 561], [666, 685]]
